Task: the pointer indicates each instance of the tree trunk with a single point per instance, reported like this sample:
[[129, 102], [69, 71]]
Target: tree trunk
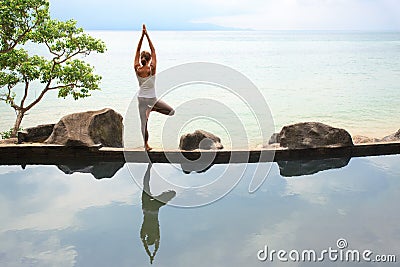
[[17, 124]]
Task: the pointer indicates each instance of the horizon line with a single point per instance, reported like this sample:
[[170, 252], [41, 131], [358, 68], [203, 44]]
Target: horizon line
[[252, 30]]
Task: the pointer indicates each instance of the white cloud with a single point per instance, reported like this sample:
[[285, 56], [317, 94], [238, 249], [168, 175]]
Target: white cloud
[[38, 252], [59, 198]]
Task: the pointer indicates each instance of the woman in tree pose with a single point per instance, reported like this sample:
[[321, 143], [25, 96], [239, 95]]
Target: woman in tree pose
[[150, 231], [145, 68]]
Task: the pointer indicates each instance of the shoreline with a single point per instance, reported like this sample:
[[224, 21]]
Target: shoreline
[[357, 139], [26, 154]]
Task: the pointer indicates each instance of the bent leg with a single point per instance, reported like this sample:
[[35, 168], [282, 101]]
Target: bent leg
[[163, 108]]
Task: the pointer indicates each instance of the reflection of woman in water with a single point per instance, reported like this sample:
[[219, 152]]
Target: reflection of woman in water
[[150, 231], [145, 73]]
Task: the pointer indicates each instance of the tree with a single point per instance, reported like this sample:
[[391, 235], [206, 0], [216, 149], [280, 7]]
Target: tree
[[61, 70], [18, 18]]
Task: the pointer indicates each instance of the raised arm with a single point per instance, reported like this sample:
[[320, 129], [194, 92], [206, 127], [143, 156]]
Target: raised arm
[[137, 56], [153, 63]]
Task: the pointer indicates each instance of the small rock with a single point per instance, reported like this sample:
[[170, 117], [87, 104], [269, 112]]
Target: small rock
[[392, 138], [200, 140], [360, 139], [274, 139], [187, 168]]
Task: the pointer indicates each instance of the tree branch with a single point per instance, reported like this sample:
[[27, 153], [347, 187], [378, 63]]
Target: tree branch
[[70, 56], [37, 100], [20, 37], [63, 86], [52, 52], [45, 90], [9, 48], [25, 92], [15, 42], [9, 99]]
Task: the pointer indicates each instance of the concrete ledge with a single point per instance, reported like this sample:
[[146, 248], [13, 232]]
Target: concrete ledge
[[54, 154]]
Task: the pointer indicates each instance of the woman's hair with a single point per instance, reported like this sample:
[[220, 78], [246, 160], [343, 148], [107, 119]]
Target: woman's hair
[[147, 57]]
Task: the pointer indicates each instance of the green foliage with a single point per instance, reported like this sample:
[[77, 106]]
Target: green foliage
[[79, 78], [29, 20], [65, 39], [17, 20], [8, 134]]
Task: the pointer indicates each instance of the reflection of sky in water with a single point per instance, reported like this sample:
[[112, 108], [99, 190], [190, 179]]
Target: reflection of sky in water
[[52, 219]]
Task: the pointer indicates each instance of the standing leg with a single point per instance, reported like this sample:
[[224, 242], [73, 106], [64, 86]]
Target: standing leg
[[143, 113]]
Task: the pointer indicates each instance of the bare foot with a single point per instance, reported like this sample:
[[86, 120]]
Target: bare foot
[[147, 147]]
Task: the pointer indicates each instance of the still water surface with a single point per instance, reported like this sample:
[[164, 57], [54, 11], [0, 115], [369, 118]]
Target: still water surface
[[49, 218]]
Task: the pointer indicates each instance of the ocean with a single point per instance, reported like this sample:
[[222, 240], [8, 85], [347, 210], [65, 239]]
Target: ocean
[[349, 80]]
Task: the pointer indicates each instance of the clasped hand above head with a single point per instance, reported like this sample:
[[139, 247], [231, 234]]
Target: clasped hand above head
[[144, 30]]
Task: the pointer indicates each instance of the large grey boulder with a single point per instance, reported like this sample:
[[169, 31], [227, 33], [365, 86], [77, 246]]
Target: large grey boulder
[[312, 135], [89, 128], [200, 140]]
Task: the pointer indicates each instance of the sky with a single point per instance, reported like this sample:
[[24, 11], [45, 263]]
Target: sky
[[231, 14]]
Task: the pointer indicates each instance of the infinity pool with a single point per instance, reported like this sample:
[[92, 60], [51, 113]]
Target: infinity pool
[[50, 218]]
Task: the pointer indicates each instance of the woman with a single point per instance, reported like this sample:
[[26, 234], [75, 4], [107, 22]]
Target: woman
[[150, 231], [145, 67]]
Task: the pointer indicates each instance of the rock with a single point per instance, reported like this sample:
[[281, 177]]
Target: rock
[[200, 139], [89, 128], [99, 170], [274, 139], [312, 135], [360, 139], [36, 134], [187, 168], [392, 138], [308, 167]]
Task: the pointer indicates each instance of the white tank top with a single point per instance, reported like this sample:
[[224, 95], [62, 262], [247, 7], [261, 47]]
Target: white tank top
[[147, 87]]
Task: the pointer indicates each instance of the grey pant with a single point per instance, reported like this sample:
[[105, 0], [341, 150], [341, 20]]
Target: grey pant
[[151, 104]]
